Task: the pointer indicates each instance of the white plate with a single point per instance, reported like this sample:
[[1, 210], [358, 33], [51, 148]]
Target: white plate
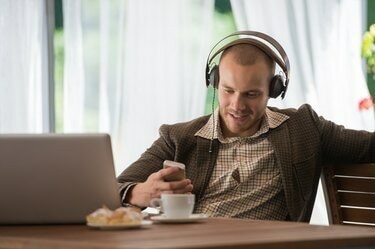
[[193, 218], [120, 226]]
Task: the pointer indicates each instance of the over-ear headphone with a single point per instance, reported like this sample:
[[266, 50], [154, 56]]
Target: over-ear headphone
[[278, 85]]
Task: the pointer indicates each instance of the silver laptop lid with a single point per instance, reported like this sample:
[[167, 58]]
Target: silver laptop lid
[[55, 178]]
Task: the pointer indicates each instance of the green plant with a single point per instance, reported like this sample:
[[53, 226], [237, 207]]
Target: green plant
[[368, 49], [368, 52]]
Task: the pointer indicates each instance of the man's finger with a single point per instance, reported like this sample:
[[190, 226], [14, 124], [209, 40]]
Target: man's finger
[[167, 171], [186, 190], [171, 186], [180, 184]]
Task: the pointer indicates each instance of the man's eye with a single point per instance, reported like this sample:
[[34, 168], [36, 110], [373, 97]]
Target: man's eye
[[253, 94], [228, 91]]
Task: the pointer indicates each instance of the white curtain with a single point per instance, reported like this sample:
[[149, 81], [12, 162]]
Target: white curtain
[[23, 66], [323, 40], [131, 66]]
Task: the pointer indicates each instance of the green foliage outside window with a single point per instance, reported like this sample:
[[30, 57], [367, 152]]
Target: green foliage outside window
[[223, 25], [59, 75], [368, 49]]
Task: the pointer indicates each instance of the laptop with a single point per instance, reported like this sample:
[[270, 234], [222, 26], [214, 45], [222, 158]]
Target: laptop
[[55, 178]]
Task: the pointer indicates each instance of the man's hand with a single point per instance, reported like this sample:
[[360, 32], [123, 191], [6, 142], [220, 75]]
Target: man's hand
[[142, 193]]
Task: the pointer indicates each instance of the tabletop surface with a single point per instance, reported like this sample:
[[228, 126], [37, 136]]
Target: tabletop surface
[[211, 233]]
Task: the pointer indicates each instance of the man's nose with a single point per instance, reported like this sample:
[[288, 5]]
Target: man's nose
[[238, 103]]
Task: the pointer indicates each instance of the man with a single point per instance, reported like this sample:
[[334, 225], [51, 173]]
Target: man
[[265, 162]]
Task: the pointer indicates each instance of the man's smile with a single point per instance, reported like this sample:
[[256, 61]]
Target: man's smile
[[239, 117]]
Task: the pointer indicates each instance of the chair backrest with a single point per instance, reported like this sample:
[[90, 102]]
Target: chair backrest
[[349, 191]]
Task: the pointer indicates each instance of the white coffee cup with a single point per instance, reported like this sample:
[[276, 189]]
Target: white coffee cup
[[175, 206]]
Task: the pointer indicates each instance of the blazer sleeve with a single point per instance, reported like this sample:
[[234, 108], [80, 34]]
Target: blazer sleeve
[[150, 161], [344, 145]]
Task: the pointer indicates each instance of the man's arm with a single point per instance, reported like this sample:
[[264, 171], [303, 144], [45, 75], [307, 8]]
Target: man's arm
[[345, 145], [143, 180]]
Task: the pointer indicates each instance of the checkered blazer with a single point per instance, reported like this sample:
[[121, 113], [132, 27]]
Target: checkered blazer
[[302, 145]]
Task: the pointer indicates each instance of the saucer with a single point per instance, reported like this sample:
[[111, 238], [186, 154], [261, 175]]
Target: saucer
[[119, 226], [193, 218]]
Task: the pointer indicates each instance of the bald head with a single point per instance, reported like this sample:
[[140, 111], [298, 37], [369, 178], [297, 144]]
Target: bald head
[[247, 54]]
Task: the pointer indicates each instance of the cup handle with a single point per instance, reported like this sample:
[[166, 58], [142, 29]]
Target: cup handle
[[156, 203]]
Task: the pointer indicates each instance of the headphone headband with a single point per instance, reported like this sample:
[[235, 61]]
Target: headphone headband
[[255, 39], [259, 45]]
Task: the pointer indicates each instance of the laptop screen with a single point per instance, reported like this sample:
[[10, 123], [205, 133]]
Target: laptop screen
[[55, 178]]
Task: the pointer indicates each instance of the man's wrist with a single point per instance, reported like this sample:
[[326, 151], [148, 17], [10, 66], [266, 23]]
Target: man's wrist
[[125, 194], [131, 196]]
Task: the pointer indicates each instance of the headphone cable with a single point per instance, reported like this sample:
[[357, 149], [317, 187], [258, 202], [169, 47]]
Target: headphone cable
[[213, 120]]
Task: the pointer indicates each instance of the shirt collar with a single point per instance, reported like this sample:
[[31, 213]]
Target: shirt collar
[[212, 129]]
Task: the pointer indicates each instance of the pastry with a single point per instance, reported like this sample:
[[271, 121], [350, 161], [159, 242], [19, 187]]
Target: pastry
[[120, 216]]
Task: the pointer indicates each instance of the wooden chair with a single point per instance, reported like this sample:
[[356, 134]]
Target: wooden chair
[[349, 191]]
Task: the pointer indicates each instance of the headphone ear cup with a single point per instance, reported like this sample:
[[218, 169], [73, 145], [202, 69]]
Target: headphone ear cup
[[214, 76], [276, 86]]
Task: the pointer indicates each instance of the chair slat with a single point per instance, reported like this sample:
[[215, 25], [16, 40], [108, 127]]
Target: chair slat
[[357, 199], [331, 195], [355, 184], [358, 215], [365, 169], [337, 180]]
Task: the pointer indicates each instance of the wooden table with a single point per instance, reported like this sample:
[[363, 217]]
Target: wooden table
[[213, 233]]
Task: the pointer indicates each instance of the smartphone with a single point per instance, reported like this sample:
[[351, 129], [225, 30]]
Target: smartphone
[[179, 175]]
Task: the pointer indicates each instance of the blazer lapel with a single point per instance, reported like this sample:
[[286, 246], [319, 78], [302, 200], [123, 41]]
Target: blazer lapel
[[205, 164], [280, 141]]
